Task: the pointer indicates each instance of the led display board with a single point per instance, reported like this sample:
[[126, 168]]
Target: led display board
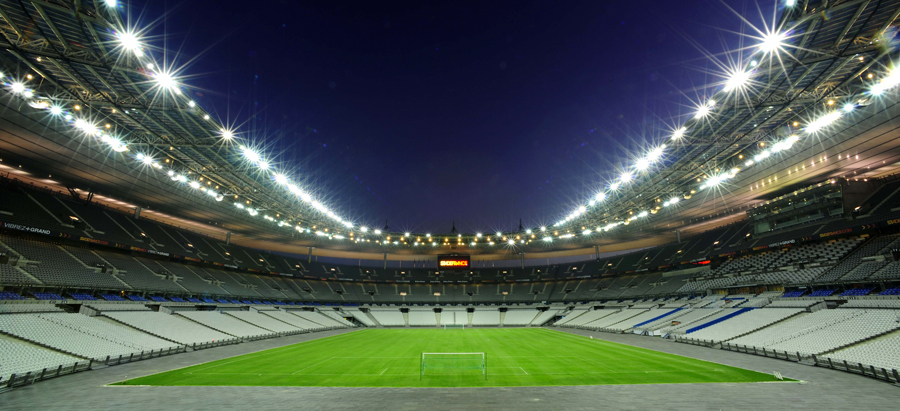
[[453, 262]]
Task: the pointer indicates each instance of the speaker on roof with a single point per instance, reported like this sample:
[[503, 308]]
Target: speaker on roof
[[895, 253], [4, 258]]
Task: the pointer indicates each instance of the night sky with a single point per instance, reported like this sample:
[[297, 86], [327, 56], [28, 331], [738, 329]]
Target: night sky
[[476, 112]]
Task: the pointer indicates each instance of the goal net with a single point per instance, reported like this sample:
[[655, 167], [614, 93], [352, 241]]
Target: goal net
[[453, 363], [454, 326]]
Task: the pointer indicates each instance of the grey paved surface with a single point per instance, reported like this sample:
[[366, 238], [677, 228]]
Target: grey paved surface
[[824, 389]]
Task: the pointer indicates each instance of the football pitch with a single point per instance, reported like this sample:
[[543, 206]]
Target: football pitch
[[393, 358]]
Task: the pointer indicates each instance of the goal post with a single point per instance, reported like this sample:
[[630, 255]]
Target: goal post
[[453, 363], [454, 326]]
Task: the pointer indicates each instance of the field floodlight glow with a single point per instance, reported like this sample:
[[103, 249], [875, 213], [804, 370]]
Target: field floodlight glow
[[891, 81], [55, 110], [251, 155], [772, 42], [679, 133], [703, 111], [543, 229], [194, 184], [848, 107], [643, 214], [377, 231], [227, 134], [111, 3], [478, 235], [785, 144], [130, 42], [642, 164], [281, 179], [656, 153], [364, 229], [165, 80], [626, 177], [823, 122], [118, 146], [737, 80], [586, 232], [511, 242], [17, 87]]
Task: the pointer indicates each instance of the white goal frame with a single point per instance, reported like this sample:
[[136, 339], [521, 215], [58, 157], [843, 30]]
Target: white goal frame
[[483, 361], [454, 326]]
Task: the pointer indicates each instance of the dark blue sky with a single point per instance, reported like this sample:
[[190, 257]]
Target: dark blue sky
[[429, 113]]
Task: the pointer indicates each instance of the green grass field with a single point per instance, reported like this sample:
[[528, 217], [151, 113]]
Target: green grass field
[[393, 358]]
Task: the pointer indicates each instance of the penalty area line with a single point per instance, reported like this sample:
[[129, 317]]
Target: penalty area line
[[309, 366], [382, 373]]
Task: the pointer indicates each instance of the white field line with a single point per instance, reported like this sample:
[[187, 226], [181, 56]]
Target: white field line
[[308, 366], [382, 373], [523, 370]]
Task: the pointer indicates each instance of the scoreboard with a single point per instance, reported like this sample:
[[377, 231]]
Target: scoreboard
[[453, 262]]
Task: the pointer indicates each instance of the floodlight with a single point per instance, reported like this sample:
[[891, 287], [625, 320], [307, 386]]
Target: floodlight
[[130, 42], [737, 80], [772, 42], [165, 80]]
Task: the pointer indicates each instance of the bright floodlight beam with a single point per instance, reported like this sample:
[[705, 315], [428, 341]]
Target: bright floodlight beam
[[251, 155], [737, 80], [702, 111], [130, 42], [165, 80], [772, 42]]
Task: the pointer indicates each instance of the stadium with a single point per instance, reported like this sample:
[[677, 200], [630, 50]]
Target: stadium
[[156, 253]]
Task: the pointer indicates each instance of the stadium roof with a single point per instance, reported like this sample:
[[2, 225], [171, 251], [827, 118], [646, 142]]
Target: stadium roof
[[88, 103]]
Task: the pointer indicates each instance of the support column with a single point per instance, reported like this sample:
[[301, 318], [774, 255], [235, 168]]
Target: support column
[[523, 260], [678, 235], [228, 238], [309, 255], [385, 261], [597, 252], [137, 213]]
